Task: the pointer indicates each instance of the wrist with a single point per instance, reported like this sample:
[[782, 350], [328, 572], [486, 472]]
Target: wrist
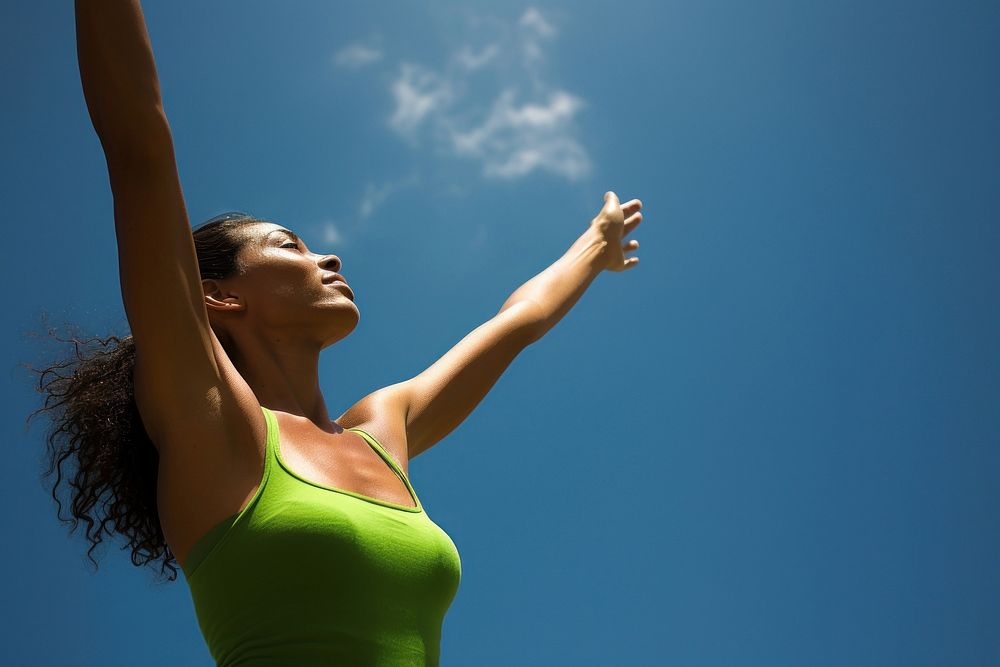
[[590, 249]]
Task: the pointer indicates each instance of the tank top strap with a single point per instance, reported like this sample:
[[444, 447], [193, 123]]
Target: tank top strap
[[389, 459], [271, 442]]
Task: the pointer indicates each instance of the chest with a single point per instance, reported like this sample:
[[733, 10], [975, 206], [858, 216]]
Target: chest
[[343, 460]]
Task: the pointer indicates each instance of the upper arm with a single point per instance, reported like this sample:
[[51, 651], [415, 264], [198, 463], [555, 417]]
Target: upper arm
[[184, 385], [175, 368], [441, 397]]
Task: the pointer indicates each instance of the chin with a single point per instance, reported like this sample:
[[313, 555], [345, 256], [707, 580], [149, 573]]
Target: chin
[[344, 325]]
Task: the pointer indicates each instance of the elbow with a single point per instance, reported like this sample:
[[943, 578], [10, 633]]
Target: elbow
[[527, 320]]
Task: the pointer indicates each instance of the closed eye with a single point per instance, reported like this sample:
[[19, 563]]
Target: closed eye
[[285, 245]]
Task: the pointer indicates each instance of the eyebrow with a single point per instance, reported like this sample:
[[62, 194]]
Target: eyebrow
[[288, 233]]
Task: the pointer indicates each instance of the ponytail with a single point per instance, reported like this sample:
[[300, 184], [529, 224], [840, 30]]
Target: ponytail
[[97, 432]]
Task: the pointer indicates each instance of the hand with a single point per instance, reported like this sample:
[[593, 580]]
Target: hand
[[612, 225]]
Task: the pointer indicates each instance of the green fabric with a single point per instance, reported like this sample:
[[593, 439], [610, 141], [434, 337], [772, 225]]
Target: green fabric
[[311, 575]]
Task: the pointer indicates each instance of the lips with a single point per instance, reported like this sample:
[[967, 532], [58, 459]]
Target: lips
[[344, 286], [329, 278]]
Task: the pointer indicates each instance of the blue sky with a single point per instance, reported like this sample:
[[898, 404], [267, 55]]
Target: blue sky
[[774, 442]]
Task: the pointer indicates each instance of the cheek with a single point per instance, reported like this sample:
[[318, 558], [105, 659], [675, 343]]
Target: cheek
[[287, 286], [282, 283]]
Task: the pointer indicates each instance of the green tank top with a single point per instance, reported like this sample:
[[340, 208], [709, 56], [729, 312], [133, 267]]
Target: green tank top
[[312, 575]]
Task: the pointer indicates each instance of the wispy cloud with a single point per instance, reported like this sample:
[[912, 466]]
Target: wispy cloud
[[418, 92], [373, 198], [515, 140], [357, 55], [534, 31], [491, 105], [376, 194], [515, 134], [532, 19], [331, 235], [472, 61]]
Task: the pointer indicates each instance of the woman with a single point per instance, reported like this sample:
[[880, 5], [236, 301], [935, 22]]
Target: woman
[[301, 537]]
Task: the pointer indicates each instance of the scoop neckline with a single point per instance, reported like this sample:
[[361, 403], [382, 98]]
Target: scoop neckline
[[418, 508]]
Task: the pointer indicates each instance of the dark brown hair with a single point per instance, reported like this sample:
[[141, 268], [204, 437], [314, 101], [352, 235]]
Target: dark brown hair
[[95, 426]]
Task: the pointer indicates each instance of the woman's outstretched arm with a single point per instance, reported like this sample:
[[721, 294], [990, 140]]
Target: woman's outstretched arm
[[176, 371], [440, 398]]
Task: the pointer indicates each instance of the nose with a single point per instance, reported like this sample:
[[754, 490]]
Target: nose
[[330, 263]]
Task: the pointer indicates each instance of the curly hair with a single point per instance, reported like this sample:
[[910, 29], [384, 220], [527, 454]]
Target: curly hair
[[95, 425]]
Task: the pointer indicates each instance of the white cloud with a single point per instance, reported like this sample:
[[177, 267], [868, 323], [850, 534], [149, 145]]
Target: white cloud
[[533, 20], [534, 28], [418, 92], [376, 194], [509, 138], [331, 235], [558, 155], [473, 61], [357, 55], [560, 108], [373, 198], [516, 140]]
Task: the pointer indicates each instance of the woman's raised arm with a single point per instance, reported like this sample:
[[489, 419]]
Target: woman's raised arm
[[119, 77], [176, 370]]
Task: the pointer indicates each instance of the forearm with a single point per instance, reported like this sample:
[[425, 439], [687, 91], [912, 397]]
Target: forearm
[[557, 289], [118, 74]]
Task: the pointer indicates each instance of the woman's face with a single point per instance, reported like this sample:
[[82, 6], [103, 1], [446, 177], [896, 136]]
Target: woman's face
[[284, 286]]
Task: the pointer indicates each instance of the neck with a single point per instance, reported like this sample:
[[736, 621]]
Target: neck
[[283, 374]]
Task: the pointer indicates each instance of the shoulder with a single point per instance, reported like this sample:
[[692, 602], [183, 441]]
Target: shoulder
[[381, 414]]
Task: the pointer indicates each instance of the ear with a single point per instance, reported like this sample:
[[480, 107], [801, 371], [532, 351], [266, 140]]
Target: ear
[[220, 300]]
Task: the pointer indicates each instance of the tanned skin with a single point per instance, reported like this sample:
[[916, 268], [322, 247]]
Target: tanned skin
[[201, 403]]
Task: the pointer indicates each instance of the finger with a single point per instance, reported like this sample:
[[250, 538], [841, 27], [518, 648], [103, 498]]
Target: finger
[[630, 246], [632, 221], [611, 198], [631, 262], [631, 206]]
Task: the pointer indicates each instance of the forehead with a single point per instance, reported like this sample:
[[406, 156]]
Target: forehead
[[264, 231]]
